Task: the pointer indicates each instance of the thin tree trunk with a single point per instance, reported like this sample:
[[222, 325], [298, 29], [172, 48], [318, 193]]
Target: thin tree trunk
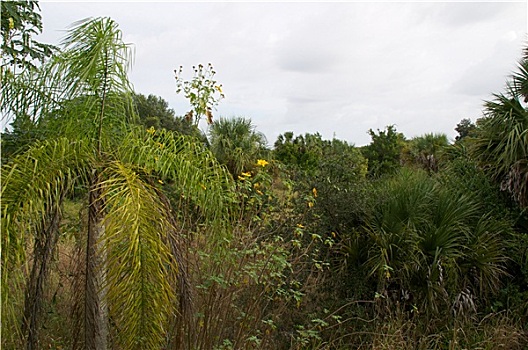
[[182, 318], [96, 310], [44, 248]]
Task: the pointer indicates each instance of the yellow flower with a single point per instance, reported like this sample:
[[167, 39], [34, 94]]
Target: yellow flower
[[161, 182], [310, 204], [260, 192], [241, 178], [247, 174], [151, 130], [300, 226], [203, 186], [218, 88], [262, 162], [314, 191]]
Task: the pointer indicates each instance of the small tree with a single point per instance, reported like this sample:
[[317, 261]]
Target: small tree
[[427, 150], [384, 152], [133, 266], [464, 128]]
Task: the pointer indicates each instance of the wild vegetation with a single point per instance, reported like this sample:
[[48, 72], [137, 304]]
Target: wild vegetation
[[125, 226]]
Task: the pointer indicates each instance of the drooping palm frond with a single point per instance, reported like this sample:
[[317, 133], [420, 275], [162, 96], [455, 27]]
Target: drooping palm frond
[[32, 180], [31, 93], [182, 162], [139, 260], [33, 183]]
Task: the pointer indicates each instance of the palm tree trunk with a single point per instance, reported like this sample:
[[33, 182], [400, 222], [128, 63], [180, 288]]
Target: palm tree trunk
[[96, 310], [181, 320], [44, 248]]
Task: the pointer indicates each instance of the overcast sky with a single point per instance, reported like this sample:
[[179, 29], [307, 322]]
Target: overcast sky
[[338, 69]]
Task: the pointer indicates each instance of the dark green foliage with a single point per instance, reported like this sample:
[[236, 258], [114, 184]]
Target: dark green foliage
[[464, 128], [384, 152], [427, 150], [435, 243], [340, 181], [236, 144], [332, 171], [302, 152], [500, 141], [154, 112], [22, 134]]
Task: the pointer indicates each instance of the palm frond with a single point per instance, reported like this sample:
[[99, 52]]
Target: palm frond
[[97, 57], [500, 144], [33, 182], [485, 259], [140, 264], [31, 93], [236, 143], [184, 163], [93, 73]]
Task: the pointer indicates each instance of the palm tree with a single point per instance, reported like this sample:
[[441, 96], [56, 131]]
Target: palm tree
[[236, 143], [500, 142], [427, 150], [134, 270]]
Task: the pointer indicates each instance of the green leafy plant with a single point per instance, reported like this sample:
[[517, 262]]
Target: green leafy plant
[[202, 91]]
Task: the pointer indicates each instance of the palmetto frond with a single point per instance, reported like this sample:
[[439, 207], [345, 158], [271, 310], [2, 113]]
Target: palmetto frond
[[501, 144], [236, 143], [428, 238], [484, 261]]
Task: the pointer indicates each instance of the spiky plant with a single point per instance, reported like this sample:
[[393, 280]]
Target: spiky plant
[[433, 243], [500, 142], [236, 143], [133, 265]]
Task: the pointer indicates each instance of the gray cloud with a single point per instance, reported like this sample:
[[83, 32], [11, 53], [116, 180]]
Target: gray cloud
[[334, 68]]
